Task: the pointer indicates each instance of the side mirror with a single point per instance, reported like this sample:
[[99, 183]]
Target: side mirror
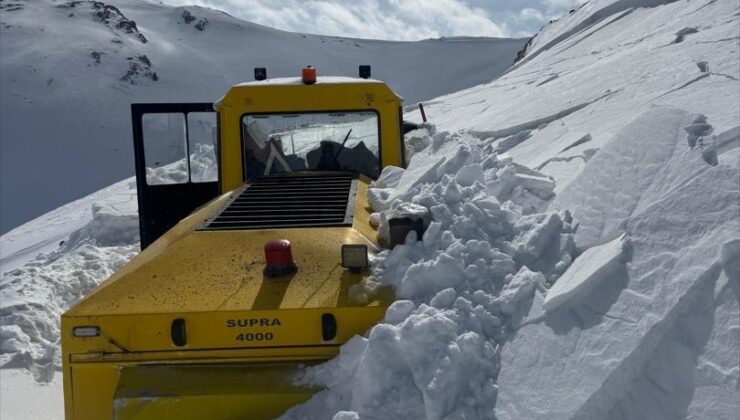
[[260, 73], [365, 71]]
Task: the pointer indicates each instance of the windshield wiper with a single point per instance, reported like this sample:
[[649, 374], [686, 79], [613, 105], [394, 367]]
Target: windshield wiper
[[336, 156]]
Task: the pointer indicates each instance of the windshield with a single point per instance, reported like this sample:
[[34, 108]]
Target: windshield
[[331, 141]]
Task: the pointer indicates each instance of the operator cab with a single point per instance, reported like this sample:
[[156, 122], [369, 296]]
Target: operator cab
[[188, 154]]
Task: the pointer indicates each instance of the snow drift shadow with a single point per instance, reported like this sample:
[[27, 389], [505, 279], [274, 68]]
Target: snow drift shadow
[[664, 389], [592, 307]]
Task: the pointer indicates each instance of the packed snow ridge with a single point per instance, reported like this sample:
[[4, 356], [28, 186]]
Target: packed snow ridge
[[581, 253], [462, 288]]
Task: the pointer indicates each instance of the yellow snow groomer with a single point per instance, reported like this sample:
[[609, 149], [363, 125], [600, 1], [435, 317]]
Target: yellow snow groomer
[[254, 223]]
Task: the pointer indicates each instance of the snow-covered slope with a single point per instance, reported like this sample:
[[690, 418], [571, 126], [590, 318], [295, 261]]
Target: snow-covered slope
[[608, 158], [70, 69], [633, 109]]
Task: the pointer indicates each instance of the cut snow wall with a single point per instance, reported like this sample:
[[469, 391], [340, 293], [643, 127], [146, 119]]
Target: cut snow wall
[[583, 360]]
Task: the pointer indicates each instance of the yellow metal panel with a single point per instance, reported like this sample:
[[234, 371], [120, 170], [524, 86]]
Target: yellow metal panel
[[222, 270], [241, 355], [254, 98], [93, 386], [196, 271], [119, 389], [208, 391], [220, 329]]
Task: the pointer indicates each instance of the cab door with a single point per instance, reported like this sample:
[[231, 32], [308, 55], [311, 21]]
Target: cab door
[[176, 158]]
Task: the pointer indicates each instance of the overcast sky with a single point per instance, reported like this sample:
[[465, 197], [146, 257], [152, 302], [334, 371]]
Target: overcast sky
[[403, 20]]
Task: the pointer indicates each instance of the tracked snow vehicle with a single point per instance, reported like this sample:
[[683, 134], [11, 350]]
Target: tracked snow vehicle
[[246, 271]]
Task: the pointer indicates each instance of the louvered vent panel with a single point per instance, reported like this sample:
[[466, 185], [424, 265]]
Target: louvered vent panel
[[290, 201]]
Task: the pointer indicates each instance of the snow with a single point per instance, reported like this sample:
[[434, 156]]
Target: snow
[[17, 387], [461, 288], [606, 341], [587, 273], [45, 233], [521, 300]]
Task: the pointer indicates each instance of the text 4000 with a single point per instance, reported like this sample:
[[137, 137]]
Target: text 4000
[[255, 336]]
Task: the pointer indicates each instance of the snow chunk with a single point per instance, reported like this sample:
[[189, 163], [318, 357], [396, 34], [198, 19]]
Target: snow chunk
[[109, 226], [469, 175], [518, 288], [389, 177], [534, 234], [588, 271]]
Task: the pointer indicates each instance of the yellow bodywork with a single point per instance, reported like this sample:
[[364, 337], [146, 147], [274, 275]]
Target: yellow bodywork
[[247, 335]]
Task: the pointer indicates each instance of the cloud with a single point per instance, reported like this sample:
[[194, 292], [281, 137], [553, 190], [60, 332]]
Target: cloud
[[403, 20], [529, 14], [386, 19], [559, 4]]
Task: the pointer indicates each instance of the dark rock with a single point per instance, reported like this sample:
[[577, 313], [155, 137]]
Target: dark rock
[[521, 53], [201, 24], [112, 17], [681, 35], [187, 16], [96, 56], [11, 7], [141, 67]]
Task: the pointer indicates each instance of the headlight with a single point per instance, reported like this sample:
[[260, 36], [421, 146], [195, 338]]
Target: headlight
[[354, 257], [86, 331]]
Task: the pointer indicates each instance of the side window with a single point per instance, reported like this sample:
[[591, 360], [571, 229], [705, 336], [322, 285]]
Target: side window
[[202, 138], [180, 147], [165, 148]]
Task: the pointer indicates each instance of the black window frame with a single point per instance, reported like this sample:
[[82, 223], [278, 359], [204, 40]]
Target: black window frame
[[155, 108]]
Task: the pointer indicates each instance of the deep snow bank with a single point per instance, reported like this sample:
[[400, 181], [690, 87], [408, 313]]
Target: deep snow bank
[[633, 109], [34, 296], [461, 288], [470, 336], [597, 349]]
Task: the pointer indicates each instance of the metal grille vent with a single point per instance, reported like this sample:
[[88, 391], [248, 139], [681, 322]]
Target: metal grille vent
[[290, 201]]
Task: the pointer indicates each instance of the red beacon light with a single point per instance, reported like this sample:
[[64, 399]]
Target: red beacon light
[[308, 75], [278, 258]]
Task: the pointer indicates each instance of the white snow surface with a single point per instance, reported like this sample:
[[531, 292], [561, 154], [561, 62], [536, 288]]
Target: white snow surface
[[18, 387], [622, 119], [589, 270]]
